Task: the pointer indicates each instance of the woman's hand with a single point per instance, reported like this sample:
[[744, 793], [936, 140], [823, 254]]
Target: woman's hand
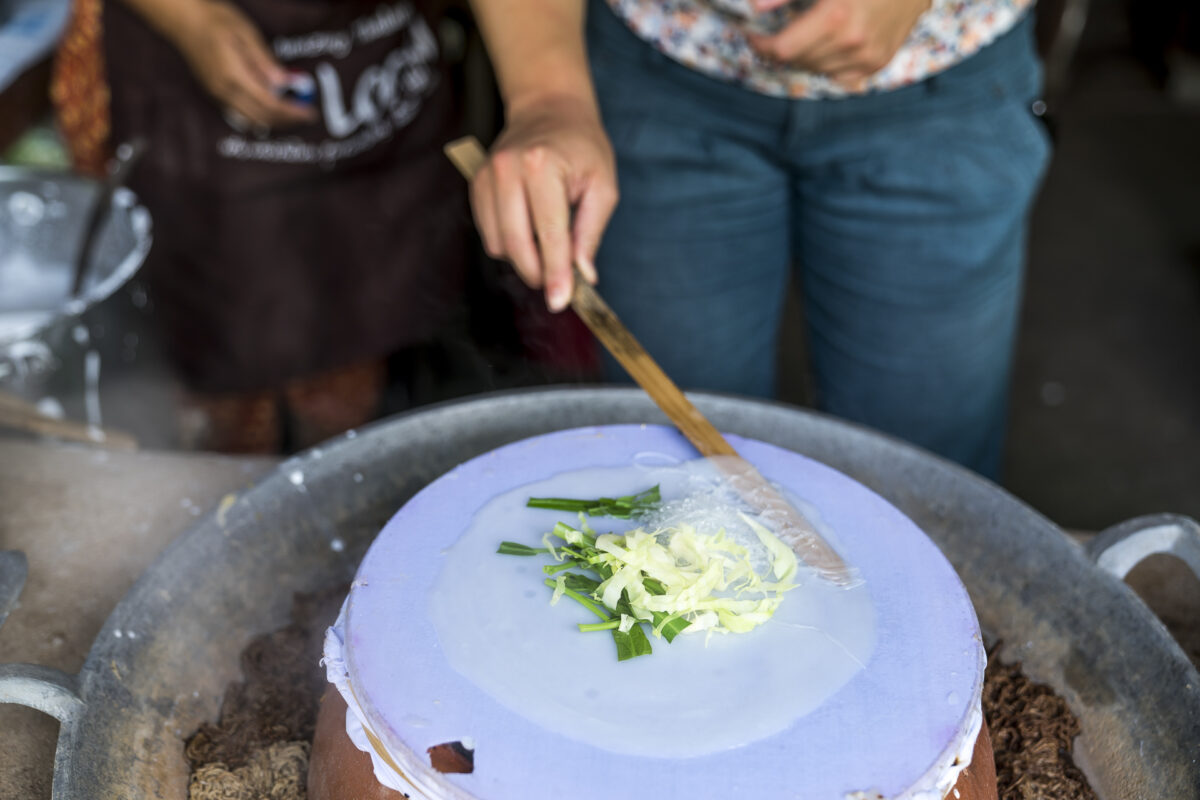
[[847, 40], [229, 57], [553, 160]]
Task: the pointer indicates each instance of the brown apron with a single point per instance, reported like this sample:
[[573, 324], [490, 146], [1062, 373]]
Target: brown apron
[[277, 254]]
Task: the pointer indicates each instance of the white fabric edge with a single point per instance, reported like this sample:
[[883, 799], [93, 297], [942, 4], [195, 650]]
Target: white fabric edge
[[333, 658], [940, 779]]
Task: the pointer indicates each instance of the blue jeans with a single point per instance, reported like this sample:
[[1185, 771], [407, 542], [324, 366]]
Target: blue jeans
[[904, 214]]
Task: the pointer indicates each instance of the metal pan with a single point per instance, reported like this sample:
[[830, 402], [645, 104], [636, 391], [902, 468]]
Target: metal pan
[[1061, 610]]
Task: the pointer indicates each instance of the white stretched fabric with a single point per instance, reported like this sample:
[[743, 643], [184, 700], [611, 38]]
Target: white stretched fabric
[[333, 658]]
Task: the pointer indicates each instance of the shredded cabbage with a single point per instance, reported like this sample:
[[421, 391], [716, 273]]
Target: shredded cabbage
[[560, 588], [708, 580]]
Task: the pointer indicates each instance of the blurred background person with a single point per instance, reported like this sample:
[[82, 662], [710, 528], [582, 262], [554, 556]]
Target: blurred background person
[[306, 223]]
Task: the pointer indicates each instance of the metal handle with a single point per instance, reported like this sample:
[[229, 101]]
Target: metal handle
[[13, 569], [1122, 547], [50, 691]]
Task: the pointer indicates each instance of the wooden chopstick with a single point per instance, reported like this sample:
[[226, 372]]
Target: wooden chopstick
[[21, 415], [612, 333], [469, 156]]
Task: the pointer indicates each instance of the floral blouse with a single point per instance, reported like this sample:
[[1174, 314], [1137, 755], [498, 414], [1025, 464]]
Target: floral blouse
[[706, 35]]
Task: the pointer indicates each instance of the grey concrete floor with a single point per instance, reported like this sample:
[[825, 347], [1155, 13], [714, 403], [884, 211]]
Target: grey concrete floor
[[89, 522]]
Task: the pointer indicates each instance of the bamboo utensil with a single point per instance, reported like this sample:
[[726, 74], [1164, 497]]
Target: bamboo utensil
[[808, 544], [20, 415]]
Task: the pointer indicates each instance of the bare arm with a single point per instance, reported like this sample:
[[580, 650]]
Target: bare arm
[[536, 47], [228, 56], [553, 157]]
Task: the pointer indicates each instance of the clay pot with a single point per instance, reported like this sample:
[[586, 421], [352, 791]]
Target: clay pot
[[337, 770]]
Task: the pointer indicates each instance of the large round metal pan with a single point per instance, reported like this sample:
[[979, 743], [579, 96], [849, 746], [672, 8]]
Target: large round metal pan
[[1072, 623]]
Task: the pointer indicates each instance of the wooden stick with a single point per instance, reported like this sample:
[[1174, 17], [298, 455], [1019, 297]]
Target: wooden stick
[[792, 528], [612, 333], [19, 414]]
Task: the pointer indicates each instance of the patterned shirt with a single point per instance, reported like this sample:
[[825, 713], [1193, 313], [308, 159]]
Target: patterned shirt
[[706, 36]]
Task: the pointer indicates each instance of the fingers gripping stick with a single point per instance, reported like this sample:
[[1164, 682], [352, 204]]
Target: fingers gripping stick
[[791, 527]]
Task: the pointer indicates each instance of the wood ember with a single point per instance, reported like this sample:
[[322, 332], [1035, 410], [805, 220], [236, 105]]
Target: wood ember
[[452, 757], [277, 772], [1033, 733], [276, 702]]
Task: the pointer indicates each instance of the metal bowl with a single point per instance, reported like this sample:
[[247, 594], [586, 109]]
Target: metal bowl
[[1059, 609], [42, 218]]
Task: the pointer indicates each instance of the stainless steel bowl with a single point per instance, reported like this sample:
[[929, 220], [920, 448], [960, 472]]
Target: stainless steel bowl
[[42, 218]]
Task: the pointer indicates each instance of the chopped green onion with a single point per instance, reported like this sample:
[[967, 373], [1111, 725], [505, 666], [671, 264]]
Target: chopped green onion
[[578, 598], [672, 580], [633, 505], [517, 549], [589, 627]]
